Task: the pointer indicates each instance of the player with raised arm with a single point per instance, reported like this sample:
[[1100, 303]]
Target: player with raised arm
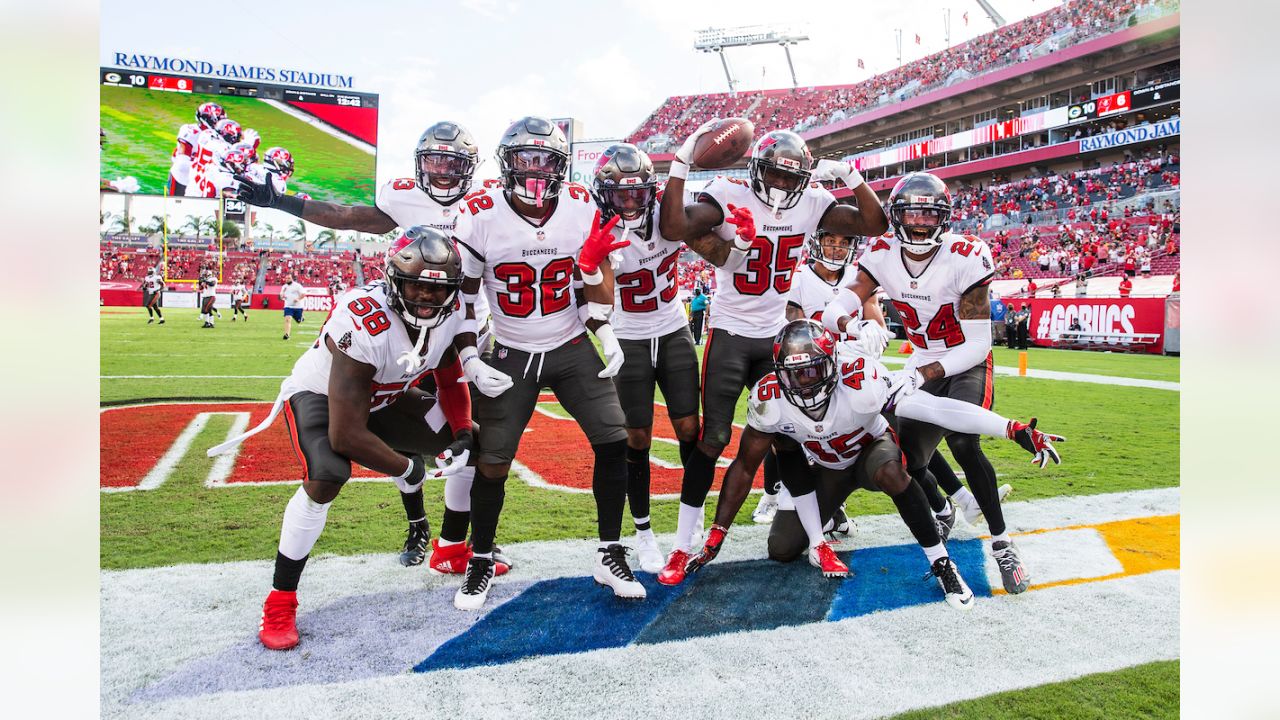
[[938, 281], [651, 327], [207, 116], [152, 288], [752, 232], [823, 403], [524, 245], [445, 161]]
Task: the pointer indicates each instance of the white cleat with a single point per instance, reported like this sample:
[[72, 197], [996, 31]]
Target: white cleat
[[611, 570], [954, 590], [651, 557], [764, 512], [475, 584], [973, 512]]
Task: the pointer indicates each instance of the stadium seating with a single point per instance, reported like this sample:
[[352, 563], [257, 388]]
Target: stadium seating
[[803, 109], [310, 270]]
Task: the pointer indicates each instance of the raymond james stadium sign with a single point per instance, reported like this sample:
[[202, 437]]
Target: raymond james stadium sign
[[1130, 135], [287, 76]]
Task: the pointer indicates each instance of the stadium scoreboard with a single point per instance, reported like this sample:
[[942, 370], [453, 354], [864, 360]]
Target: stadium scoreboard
[[115, 77]]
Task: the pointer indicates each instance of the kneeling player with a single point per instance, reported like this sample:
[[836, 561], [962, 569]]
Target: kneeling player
[[829, 404], [351, 398]]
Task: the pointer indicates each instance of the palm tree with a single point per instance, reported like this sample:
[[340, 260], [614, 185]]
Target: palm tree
[[193, 223], [326, 236], [297, 231], [120, 225], [211, 224], [271, 230], [154, 226], [105, 219]]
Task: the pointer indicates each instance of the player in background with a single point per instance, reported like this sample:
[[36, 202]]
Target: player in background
[[651, 327], [239, 301], [352, 398], [826, 402], [207, 116], [938, 281], [752, 232], [207, 287], [525, 245], [152, 288], [212, 146], [291, 293], [276, 163], [445, 161]]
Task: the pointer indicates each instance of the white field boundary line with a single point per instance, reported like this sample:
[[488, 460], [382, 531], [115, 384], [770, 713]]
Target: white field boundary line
[[1071, 377], [320, 125]]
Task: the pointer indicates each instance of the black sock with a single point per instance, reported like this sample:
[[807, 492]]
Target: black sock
[[638, 484], [772, 478], [914, 510], [686, 449], [982, 479], [454, 526], [413, 506], [699, 473], [158, 314], [288, 572], [930, 487], [942, 472], [487, 494], [609, 486]]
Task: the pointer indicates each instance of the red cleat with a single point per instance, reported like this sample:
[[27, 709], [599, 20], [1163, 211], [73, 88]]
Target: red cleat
[[278, 629], [452, 559], [825, 558], [674, 571]]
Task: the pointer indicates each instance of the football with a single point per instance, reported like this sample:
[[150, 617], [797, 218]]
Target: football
[[725, 145]]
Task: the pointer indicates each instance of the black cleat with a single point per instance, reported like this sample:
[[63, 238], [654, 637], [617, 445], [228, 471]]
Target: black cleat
[[475, 585], [945, 523], [416, 544]]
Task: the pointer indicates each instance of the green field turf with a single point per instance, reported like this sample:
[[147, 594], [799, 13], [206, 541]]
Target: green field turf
[[1136, 365], [141, 129]]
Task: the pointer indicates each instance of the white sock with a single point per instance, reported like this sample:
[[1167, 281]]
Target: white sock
[[303, 522], [457, 490], [1002, 537], [446, 543], [810, 517], [935, 552], [640, 521], [688, 521], [486, 556], [946, 511], [964, 498]]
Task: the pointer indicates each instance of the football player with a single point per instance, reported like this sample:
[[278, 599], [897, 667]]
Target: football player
[[152, 294], [239, 301], [207, 286], [651, 327], [826, 402], [277, 163], [352, 398], [938, 282], [526, 244], [752, 232], [207, 116], [444, 162], [212, 147]]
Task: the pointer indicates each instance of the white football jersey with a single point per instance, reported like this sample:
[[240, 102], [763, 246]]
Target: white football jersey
[[929, 303], [811, 293], [205, 168], [647, 286], [154, 282], [257, 172], [526, 269], [208, 288], [404, 202], [184, 151], [852, 420], [364, 328], [751, 297], [238, 292]]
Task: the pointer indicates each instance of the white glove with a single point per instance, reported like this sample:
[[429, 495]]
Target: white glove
[[685, 153], [449, 464], [842, 170], [127, 184], [487, 380], [904, 383], [870, 338], [612, 351]]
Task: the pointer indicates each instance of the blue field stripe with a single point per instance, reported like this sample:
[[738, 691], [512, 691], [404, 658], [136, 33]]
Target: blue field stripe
[[888, 578], [565, 615]]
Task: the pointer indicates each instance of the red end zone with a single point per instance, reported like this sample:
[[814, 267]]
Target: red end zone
[[144, 442]]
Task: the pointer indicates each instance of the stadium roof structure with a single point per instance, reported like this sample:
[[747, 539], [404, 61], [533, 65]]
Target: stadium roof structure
[[717, 39]]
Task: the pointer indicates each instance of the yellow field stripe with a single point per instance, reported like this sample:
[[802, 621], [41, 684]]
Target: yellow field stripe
[[118, 114]]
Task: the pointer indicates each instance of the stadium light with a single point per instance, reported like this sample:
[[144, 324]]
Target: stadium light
[[716, 40]]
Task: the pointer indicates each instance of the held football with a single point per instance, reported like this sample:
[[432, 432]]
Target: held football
[[725, 145]]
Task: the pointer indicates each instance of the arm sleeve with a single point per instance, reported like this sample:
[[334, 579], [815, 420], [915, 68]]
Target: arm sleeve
[[454, 397], [846, 302], [952, 414], [974, 349]]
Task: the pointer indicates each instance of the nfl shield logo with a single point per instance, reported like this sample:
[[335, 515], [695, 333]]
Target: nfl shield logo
[[914, 285], [652, 245], [541, 236], [502, 353], [817, 428]]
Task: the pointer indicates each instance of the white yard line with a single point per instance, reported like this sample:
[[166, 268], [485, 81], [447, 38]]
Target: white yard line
[[1071, 377]]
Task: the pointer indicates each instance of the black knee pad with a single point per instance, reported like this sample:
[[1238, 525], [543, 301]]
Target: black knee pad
[[964, 446]]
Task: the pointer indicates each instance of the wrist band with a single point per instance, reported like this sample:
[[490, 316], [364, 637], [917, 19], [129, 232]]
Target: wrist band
[[678, 169]]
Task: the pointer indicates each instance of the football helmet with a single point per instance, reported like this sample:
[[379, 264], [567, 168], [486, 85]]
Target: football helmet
[[834, 251], [228, 130], [445, 161], [780, 168], [919, 210], [804, 360], [626, 185], [279, 160], [210, 114], [426, 258], [533, 159], [236, 160]]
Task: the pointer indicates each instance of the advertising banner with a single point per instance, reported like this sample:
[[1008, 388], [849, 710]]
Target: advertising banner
[[1130, 135], [582, 163], [1052, 316]]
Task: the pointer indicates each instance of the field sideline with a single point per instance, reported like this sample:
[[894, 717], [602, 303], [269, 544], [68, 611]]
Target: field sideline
[[1120, 440]]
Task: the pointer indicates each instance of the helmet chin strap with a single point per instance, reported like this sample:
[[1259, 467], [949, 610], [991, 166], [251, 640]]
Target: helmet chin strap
[[412, 359], [776, 197]]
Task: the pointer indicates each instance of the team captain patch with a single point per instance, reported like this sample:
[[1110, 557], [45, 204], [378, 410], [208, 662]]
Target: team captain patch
[[344, 343]]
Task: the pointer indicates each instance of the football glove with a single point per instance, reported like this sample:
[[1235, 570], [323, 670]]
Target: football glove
[[1039, 444], [613, 356], [685, 153], [260, 194], [411, 479], [741, 218], [455, 457], [870, 338], [599, 244], [710, 549], [487, 380], [904, 383], [842, 170]]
